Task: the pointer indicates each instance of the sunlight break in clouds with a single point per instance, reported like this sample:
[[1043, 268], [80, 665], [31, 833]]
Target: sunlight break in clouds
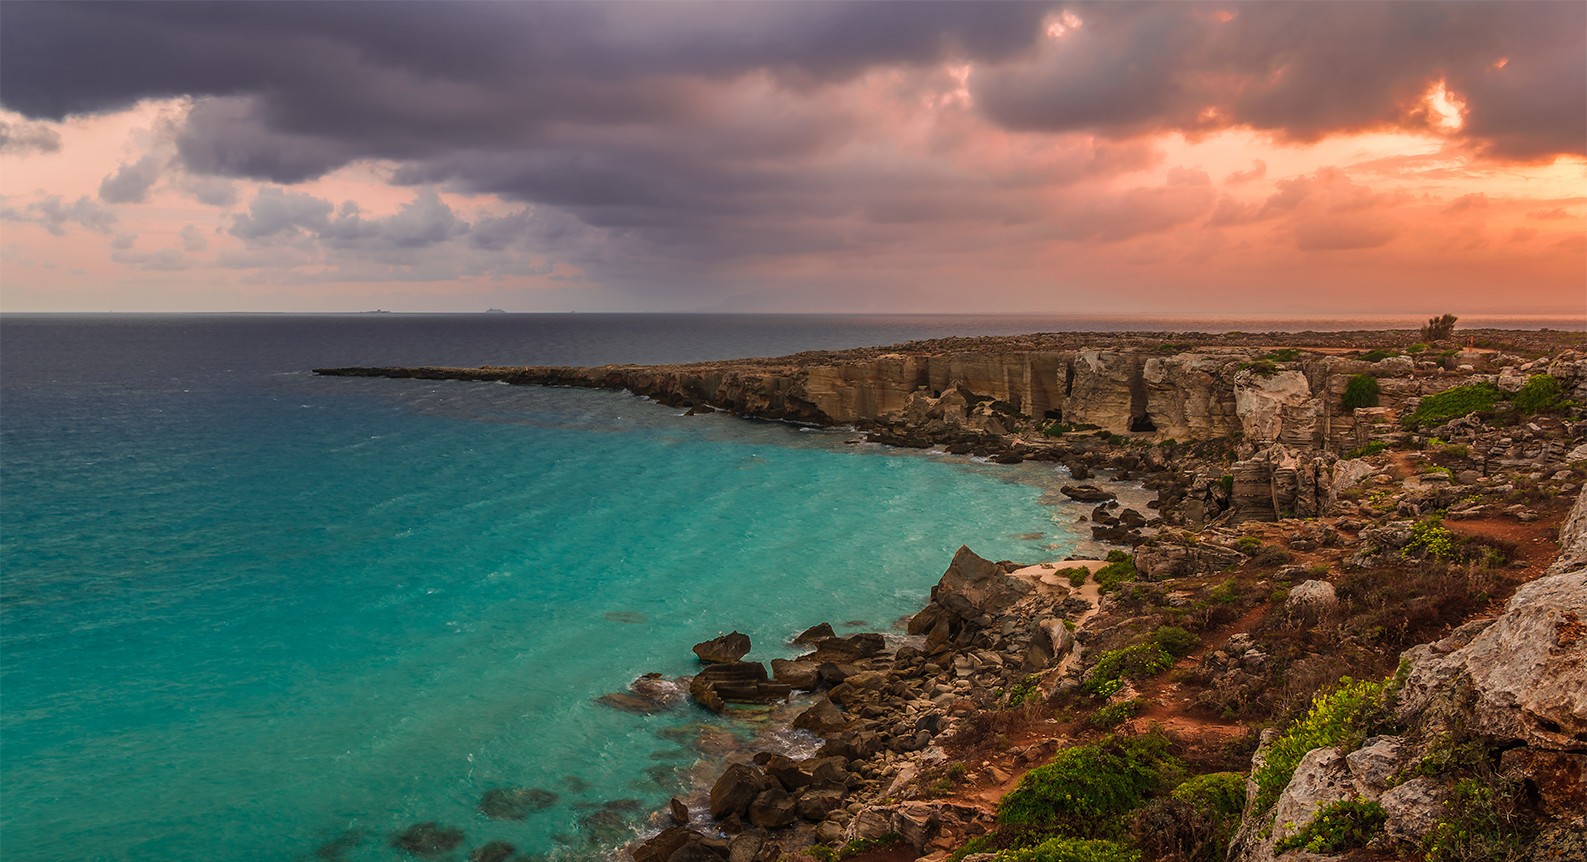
[[778, 156]]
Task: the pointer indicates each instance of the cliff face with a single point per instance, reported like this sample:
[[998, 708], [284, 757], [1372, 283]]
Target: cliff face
[[1282, 408]]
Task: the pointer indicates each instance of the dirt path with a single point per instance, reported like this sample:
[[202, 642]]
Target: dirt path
[[1168, 703]]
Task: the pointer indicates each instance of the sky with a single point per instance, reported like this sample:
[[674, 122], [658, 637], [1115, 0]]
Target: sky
[[1332, 158]]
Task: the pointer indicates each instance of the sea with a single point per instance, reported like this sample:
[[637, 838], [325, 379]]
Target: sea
[[249, 613]]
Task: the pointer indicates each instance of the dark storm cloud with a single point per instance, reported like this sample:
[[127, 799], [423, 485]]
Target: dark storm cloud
[[1305, 70]]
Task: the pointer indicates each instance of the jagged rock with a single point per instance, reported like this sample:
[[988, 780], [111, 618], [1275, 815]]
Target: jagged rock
[[814, 805], [661, 847], [1526, 674], [1413, 808], [678, 810], [802, 674], [823, 718], [1321, 778], [717, 685], [1560, 777], [814, 634], [735, 790], [723, 650], [772, 808], [1163, 559], [428, 839], [1087, 493], [1375, 764]]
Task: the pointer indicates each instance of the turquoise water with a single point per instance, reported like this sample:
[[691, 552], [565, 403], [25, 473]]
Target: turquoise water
[[249, 613]]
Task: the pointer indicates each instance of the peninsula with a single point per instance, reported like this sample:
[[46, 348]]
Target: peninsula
[[1348, 625]]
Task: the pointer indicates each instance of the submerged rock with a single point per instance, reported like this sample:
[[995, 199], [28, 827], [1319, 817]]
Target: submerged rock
[[428, 839], [515, 803], [495, 851]]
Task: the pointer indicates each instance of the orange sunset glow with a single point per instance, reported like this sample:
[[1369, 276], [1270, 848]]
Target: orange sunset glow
[[1073, 157]]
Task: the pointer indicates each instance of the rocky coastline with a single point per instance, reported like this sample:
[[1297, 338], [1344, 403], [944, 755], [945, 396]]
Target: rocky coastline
[[1327, 518]]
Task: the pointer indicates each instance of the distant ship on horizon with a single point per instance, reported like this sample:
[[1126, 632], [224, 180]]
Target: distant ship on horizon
[[495, 311]]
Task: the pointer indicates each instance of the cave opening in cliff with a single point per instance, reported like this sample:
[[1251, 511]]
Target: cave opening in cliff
[[1069, 379], [1054, 413], [1142, 422]]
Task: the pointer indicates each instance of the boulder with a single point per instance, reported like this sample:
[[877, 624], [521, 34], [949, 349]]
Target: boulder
[[802, 674], [721, 650], [717, 685], [1523, 678], [772, 808], [735, 790], [678, 810], [1087, 493], [661, 847], [823, 718], [983, 586], [815, 805], [1413, 809], [1312, 600], [814, 634]]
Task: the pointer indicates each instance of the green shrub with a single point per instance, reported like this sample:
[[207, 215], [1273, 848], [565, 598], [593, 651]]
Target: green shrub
[[1194, 823], [1416, 348], [1226, 593], [1439, 328], [1220, 793], [1339, 826], [1378, 355], [1086, 791], [1361, 391], [1076, 574], [1227, 481], [1175, 641], [1284, 354], [1342, 717], [866, 845], [1371, 448], [1024, 690], [1540, 394], [1484, 822], [1455, 403], [1109, 717], [1133, 662], [1430, 538], [1260, 367], [1248, 545], [1072, 850], [1120, 568]]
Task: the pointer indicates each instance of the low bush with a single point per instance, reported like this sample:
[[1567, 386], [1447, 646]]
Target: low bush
[[1361, 391], [1431, 539], [1338, 826], [1175, 641], [1024, 690], [1378, 355], [1485, 821], [1120, 568], [1076, 574], [1540, 394], [1454, 403], [1248, 545], [1371, 448], [1133, 662], [1260, 367], [1284, 354], [1109, 717], [1194, 823], [1342, 717], [1072, 850], [1087, 791]]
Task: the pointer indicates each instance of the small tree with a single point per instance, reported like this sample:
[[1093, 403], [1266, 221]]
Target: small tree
[[1362, 391], [1439, 328]]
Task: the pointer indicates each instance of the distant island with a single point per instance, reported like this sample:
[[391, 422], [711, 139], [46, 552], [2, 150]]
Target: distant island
[[495, 311]]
